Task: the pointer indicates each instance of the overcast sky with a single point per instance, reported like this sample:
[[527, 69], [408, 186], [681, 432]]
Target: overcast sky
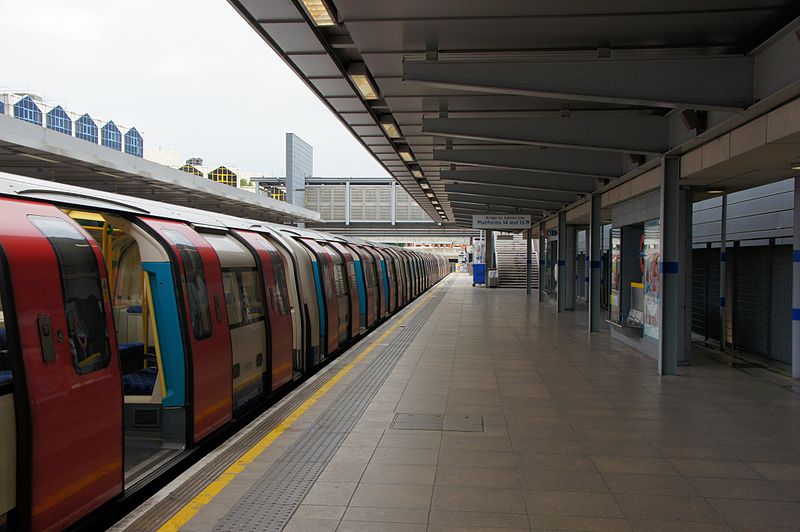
[[191, 75]]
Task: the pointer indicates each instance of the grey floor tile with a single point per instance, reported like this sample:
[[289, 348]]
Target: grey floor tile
[[405, 456], [634, 465], [461, 498], [386, 515], [365, 526], [739, 488], [330, 493], [478, 519], [392, 496], [486, 477], [470, 458], [590, 481], [713, 468], [758, 513], [377, 473], [667, 508], [312, 525], [598, 524], [572, 504], [649, 484]]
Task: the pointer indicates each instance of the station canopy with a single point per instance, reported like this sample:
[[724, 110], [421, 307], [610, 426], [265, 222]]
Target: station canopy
[[519, 106], [33, 151]]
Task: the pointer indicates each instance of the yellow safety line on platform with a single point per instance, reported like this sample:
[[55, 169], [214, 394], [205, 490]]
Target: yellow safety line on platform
[[217, 485]]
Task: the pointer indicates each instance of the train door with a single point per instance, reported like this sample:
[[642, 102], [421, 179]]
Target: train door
[[69, 389], [368, 273], [324, 273], [392, 274], [355, 291], [10, 439], [207, 325], [381, 281], [342, 289], [242, 284], [282, 365]]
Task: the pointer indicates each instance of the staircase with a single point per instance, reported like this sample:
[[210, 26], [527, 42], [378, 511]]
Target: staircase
[[512, 264]]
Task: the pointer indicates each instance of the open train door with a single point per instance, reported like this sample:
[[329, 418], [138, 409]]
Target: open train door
[[206, 316], [66, 372]]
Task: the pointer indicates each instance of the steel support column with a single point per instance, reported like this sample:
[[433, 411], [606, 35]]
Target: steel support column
[[542, 246], [347, 203], [723, 258], [595, 254], [796, 284], [561, 271], [671, 337], [571, 267], [529, 260], [488, 251]]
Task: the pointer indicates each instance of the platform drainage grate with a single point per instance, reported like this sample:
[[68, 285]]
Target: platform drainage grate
[[438, 422], [271, 501]]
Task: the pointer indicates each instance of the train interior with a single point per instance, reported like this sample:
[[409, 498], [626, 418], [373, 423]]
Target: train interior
[[8, 435], [151, 363]]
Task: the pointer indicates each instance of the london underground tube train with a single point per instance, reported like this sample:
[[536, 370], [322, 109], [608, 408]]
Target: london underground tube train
[[132, 330]]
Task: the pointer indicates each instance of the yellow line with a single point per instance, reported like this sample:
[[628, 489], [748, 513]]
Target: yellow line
[[217, 485]]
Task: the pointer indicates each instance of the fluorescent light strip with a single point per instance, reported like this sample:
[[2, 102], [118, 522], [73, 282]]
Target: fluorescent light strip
[[320, 12], [390, 127]]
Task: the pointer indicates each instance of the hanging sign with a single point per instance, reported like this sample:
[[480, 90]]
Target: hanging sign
[[507, 222]]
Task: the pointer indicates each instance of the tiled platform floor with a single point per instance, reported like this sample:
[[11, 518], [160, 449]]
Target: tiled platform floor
[[580, 434]]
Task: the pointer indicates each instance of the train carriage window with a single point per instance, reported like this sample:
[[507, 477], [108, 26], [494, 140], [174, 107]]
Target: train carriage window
[[230, 286], [83, 295], [280, 281], [199, 307], [252, 305], [6, 377]]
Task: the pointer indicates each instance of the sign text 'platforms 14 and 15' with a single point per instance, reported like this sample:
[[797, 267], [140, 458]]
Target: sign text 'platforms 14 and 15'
[[508, 222]]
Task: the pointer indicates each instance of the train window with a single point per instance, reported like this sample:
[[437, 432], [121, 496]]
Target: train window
[[280, 282], [252, 304], [230, 286], [199, 307], [6, 377], [340, 280], [83, 299]]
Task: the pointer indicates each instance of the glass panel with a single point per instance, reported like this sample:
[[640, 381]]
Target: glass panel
[[199, 306], [6, 377], [280, 280], [252, 305], [232, 300], [83, 300]]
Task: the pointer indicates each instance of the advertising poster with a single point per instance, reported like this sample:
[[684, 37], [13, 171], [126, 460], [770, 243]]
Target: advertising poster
[[652, 277], [616, 254]]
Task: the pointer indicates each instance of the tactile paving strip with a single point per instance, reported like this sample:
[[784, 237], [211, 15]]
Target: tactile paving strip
[[271, 501], [163, 510]]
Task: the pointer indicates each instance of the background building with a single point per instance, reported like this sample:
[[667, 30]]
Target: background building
[[299, 167]]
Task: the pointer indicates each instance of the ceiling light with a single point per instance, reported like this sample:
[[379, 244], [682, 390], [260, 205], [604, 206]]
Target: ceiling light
[[435, 201], [796, 166], [424, 185], [321, 12], [430, 194], [416, 171], [715, 191], [359, 75], [390, 127], [405, 153]]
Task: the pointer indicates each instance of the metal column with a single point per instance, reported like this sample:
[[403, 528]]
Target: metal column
[[529, 262], [562, 261], [347, 203], [595, 254], [394, 203], [488, 251], [671, 337], [571, 267], [542, 246], [723, 258], [796, 284]]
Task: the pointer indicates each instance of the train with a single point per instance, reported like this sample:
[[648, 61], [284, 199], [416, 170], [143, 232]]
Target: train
[[131, 331]]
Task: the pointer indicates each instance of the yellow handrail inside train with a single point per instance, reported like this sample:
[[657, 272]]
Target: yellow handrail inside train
[[155, 336]]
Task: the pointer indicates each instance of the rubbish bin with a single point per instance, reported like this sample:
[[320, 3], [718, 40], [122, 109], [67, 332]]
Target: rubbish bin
[[478, 273], [492, 282]]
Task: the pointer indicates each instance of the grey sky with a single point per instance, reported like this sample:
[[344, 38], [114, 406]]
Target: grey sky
[[191, 75]]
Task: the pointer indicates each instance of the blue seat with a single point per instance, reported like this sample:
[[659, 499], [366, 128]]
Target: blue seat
[[5, 377], [140, 382]]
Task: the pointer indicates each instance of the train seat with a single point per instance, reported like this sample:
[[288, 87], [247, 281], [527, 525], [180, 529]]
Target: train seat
[[140, 382]]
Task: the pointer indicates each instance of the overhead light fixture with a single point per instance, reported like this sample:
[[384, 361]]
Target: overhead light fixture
[[416, 171], [424, 185], [430, 194], [435, 201], [715, 191], [405, 153], [390, 127], [321, 12], [796, 166], [361, 78], [38, 157]]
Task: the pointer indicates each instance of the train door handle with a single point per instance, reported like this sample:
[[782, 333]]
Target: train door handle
[[46, 338], [217, 308]]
